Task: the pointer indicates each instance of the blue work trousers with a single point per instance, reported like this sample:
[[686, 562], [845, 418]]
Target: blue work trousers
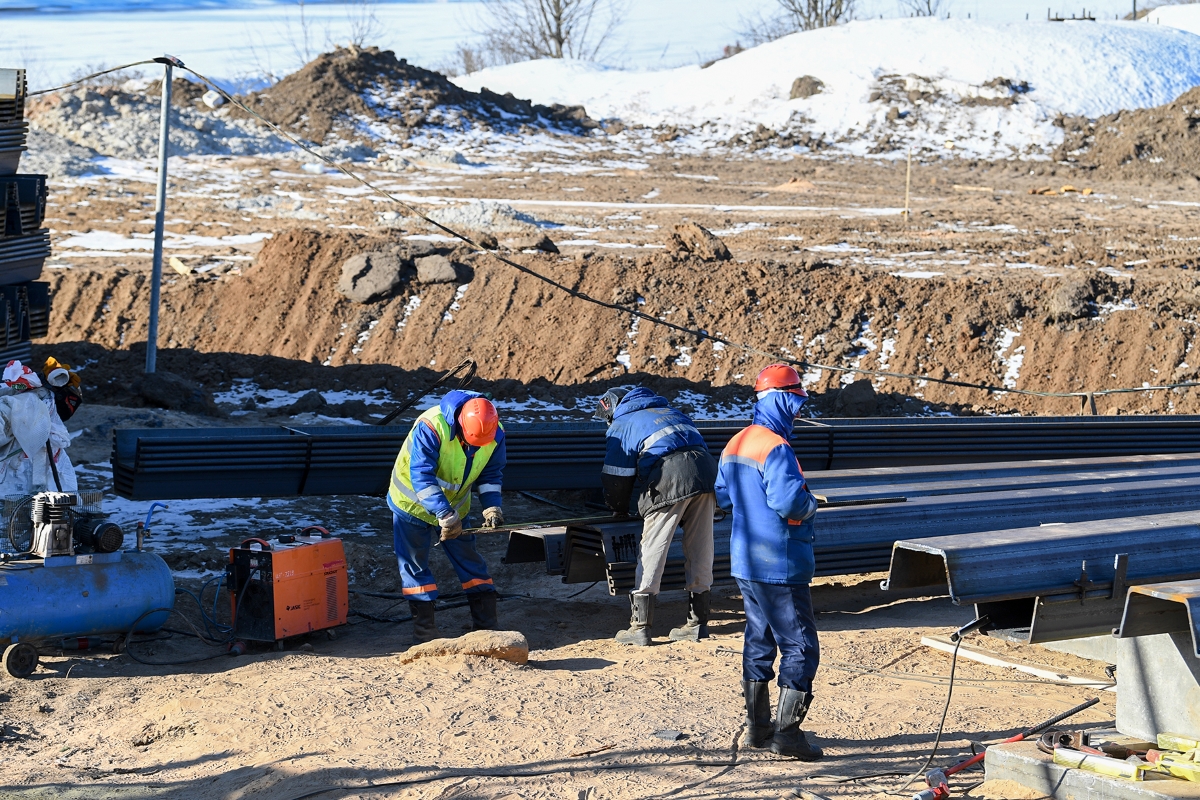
[[413, 538], [780, 619]]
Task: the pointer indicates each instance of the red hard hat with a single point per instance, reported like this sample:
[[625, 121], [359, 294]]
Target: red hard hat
[[780, 378], [478, 421]]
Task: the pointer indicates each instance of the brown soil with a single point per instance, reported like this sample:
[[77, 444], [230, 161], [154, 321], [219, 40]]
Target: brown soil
[[519, 329], [1163, 141], [335, 87]]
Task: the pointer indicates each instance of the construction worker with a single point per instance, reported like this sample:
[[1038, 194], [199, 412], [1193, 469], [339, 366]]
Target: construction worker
[[771, 553], [456, 444], [657, 451]]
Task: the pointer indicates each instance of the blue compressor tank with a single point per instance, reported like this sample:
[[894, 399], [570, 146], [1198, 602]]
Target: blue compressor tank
[[83, 595]]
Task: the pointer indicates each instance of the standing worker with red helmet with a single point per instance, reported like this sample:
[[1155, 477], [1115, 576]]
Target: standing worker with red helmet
[[771, 550], [451, 447]]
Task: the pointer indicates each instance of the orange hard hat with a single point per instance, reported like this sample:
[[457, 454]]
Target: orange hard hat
[[478, 421], [780, 378]]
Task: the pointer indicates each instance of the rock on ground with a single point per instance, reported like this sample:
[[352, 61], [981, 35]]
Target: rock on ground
[[540, 242], [806, 86], [1070, 301], [171, 391], [857, 400], [435, 269], [692, 239], [368, 277], [504, 645]]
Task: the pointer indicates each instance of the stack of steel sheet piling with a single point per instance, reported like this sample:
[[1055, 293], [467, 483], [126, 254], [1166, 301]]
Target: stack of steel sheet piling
[[910, 503], [24, 243], [296, 461]]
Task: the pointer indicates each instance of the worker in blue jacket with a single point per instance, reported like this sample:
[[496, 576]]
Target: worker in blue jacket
[[656, 452], [771, 553], [452, 447]]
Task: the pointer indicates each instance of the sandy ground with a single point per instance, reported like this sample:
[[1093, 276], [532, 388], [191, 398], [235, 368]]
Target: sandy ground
[[580, 720]]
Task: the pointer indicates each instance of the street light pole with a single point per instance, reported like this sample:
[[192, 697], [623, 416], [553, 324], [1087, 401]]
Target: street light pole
[[160, 209]]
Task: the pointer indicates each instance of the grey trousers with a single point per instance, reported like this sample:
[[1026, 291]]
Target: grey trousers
[[695, 514]]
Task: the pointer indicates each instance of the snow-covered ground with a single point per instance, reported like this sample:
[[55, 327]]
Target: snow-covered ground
[[1185, 18], [992, 90]]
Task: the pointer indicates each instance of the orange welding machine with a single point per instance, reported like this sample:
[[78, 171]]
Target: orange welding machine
[[293, 585]]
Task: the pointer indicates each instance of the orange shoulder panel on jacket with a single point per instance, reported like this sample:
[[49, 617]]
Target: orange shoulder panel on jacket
[[754, 442]]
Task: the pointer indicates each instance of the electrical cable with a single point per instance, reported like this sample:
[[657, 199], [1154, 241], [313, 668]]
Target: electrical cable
[[87, 78], [941, 723], [463, 382], [699, 333], [581, 591], [515, 771], [213, 643]]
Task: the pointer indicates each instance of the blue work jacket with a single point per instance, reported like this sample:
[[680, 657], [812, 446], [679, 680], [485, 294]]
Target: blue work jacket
[[760, 479]]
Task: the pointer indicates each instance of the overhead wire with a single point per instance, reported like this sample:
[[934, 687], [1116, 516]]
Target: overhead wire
[[650, 318]]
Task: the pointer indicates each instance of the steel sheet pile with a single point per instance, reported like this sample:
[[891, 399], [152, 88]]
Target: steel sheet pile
[[24, 243]]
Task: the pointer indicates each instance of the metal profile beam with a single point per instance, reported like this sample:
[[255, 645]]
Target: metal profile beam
[[1057, 582], [1162, 608]]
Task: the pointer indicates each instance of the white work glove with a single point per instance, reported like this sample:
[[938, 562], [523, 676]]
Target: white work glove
[[451, 525], [493, 517]]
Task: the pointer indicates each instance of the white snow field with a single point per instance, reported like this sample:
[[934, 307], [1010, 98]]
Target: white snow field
[[243, 39], [1185, 18], [993, 90]]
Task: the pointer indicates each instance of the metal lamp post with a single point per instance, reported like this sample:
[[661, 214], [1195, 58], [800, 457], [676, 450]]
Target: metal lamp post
[[160, 209]]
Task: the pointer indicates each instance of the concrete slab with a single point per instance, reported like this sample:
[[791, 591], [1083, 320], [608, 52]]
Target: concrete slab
[[1024, 763]]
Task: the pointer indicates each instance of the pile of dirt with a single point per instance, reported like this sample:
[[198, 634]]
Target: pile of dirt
[[1029, 331], [352, 85], [1161, 142]]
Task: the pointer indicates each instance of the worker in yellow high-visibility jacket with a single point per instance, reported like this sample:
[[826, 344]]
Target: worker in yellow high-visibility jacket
[[451, 447]]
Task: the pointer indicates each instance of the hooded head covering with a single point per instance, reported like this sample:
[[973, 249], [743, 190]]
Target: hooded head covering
[[777, 410], [21, 377]]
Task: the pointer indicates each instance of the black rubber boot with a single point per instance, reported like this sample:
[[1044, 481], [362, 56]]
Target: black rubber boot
[[758, 713], [696, 627], [641, 617], [790, 741], [425, 627], [483, 611]]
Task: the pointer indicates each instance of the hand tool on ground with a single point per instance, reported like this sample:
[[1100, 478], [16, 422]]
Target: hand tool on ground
[[937, 778]]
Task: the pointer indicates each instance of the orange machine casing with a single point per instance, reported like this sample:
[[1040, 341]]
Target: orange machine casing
[[295, 587]]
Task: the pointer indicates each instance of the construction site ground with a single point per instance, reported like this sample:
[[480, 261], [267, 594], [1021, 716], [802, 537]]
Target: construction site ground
[[984, 282]]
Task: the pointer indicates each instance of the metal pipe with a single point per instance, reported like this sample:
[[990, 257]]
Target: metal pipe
[[160, 210]]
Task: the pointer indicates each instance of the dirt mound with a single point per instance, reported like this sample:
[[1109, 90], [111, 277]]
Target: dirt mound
[[1161, 141], [353, 85], [523, 333]]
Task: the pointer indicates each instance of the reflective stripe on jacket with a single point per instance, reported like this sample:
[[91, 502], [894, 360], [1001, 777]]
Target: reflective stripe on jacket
[[442, 484], [773, 531], [655, 450]]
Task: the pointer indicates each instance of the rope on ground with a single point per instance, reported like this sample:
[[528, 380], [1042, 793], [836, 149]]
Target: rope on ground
[[699, 333]]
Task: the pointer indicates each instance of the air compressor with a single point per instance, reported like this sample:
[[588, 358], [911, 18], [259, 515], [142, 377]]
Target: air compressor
[[54, 591]]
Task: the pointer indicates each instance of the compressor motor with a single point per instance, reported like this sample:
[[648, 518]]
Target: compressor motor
[[52, 524]]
